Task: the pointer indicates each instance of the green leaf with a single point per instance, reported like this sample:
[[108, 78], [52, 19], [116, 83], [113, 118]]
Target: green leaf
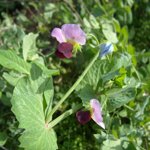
[[12, 77], [123, 36], [47, 72], [103, 71], [42, 84], [112, 145], [141, 108], [123, 113], [29, 46], [116, 25], [94, 22], [5, 98], [86, 94], [2, 84], [94, 75], [50, 9], [28, 105], [3, 138], [119, 97], [130, 2], [10, 60], [12, 37], [110, 75], [129, 14], [108, 32]]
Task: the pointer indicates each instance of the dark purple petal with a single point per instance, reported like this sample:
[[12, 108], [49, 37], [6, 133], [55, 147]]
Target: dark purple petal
[[73, 32], [83, 116], [65, 49], [97, 112], [60, 55], [58, 34]]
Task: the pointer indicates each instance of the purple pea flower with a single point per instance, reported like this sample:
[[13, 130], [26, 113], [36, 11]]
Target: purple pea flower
[[106, 48], [95, 113], [68, 34]]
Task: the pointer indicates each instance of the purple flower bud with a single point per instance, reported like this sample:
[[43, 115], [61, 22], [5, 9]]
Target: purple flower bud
[[83, 116], [106, 49]]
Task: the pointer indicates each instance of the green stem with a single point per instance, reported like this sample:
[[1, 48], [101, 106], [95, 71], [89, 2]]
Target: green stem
[[94, 38], [73, 87], [128, 107], [63, 116], [104, 103], [137, 73]]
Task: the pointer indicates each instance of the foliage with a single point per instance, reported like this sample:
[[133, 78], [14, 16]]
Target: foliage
[[33, 79]]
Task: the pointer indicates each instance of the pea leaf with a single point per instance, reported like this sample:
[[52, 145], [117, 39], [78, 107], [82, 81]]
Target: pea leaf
[[86, 94], [119, 97], [103, 71], [3, 138], [42, 84], [112, 145], [29, 46], [28, 105], [46, 71], [12, 77], [108, 32], [10, 60]]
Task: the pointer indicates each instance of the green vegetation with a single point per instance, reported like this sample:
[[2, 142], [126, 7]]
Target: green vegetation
[[33, 79]]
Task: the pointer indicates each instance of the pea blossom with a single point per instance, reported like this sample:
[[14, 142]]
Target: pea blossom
[[106, 48], [70, 38], [95, 113]]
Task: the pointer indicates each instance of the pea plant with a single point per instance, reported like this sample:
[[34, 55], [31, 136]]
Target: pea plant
[[106, 84]]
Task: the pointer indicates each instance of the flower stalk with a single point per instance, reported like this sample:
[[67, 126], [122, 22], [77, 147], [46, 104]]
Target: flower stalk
[[63, 116], [49, 116]]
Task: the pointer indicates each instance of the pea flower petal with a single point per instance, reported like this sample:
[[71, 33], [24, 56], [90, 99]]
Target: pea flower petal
[[74, 33], [106, 49], [69, 33], [60, 55], [97, 112], [83, 116], [64, 50], [59, 35]]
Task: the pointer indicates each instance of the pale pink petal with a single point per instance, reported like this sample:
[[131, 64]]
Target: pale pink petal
[[97, 112], [75, 33], [101, 124], [58, 34]]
